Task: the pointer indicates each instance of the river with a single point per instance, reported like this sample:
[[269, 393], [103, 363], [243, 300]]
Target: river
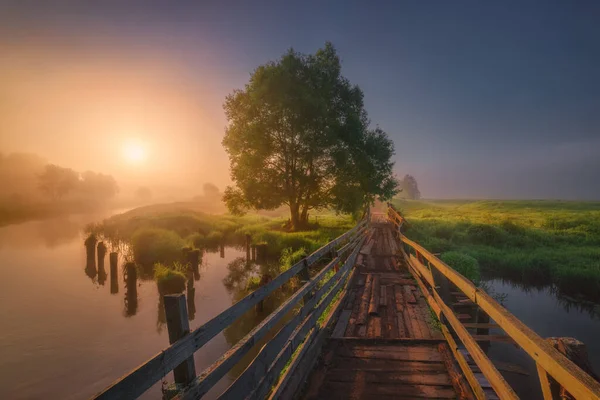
[[66, 335]]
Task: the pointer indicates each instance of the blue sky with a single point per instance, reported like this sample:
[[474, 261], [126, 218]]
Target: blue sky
[[482, 99]]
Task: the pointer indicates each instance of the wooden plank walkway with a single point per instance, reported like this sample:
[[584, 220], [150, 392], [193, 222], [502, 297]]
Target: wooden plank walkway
[[385, 344]]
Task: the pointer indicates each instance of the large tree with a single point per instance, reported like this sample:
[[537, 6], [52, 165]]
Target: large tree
[[410, 187], [298, 135]]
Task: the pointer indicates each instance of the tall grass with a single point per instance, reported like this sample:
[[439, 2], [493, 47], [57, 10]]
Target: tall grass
[[170, 279], [535, 242]]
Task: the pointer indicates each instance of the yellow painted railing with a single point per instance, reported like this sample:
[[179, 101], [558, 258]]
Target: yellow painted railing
[[549, 361]]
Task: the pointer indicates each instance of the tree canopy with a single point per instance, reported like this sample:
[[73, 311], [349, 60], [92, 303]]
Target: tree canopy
[[57, 181], [298, 135]]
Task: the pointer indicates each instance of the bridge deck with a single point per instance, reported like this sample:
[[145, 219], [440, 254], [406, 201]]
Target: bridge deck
[[385, 344]]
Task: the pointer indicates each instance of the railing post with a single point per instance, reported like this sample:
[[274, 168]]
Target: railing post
[[178, 326]]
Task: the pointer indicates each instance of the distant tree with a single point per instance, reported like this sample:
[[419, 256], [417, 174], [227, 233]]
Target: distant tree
[[57, 181], [211, 191], [19, 174], [143, 193], [298, 135], [99, 186], [410, 187]]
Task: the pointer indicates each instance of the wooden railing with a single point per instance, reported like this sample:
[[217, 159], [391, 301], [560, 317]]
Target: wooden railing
[[549, 361], [280, 360]]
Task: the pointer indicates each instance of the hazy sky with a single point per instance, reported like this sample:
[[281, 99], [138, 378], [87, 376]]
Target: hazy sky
[[493, 99]]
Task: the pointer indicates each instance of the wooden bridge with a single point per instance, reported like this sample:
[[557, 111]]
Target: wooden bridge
[[377, 316]]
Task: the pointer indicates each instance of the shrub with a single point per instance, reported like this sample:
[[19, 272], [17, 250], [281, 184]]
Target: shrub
[[213, 239], [170, 280], [463, 263], [153, 245]]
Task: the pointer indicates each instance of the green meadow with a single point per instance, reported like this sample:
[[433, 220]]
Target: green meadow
[[531, 242]]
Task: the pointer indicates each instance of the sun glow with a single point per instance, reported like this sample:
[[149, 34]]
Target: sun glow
[[134, 152]]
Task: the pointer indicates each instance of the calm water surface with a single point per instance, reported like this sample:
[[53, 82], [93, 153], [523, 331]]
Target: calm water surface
[[64, 335], [548, 315]]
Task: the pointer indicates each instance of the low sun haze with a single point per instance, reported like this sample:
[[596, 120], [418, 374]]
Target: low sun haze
[[481, 100]]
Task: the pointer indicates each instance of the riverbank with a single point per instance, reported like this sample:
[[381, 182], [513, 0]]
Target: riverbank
[[535, 242], [156, 233]]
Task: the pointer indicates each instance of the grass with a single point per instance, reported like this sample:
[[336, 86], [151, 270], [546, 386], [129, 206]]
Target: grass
[[201, 230], [170, 279], [157, 234], [533, 242]]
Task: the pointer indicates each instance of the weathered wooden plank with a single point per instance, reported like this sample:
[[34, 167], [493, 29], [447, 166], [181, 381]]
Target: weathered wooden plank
[[383, 377], [375, 295], [566, 373], [417, 327], [373, 364], [342, 323], [405, 353], [342, 390], [383, 296], [408, 295], [458, 380], [365, 300], [399, 298], [402, 330], [420, 311]]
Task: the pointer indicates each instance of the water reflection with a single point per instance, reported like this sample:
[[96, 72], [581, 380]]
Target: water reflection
[[191, 295], [244, 277], [131, 297], [567, 303]]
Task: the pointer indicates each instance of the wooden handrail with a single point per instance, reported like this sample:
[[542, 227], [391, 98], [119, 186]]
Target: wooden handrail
[[135, 383], [564, 371]]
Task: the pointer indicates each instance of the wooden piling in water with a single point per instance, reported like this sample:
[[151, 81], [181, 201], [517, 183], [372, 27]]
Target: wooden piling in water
[[113, 259], [253, 252], [101, 251], [101, 254], [222, 250], [178, 327], [575, 351], [90, 248], [248, 242], [131, 300]]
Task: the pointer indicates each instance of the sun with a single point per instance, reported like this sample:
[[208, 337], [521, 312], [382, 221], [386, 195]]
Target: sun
[[134, 152]]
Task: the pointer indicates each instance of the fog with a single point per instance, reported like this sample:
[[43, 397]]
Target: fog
[[476, 108], [82, 107]]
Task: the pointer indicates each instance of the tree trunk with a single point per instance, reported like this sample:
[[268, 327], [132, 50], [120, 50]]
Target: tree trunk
[[304, 216], [295, 217]]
